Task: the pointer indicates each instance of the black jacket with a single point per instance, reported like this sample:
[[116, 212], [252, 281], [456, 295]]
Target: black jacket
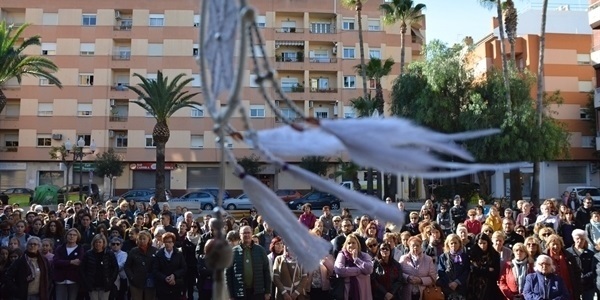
[[138, 266], [164, 267], [110, 269], [513, 238], [588, 268], [582, 217], [338, 243], [203, 239]]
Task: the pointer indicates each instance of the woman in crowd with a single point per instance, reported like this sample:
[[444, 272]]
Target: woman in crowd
[[54, 230], [29, 276], [47, 250], [585, 262], [67, 263], [20, 233], [465, 238], [363, 224], [372, 247], [169, 270], [373, 232], [181, 234], [566, 227], [418, 270], [289, 277], [319, 279], [487, 230], [121, 285], [512, 277], [472, 224], [505, 253], [355, 267], [434, 244], [36, 228], [101, 269], [386, 279], [189, 252], [131, 240], [543, 234], [485, 270], [453, 269], [565, 264], [157, 241], [526, 218], [494, 220], [544, 283], [138, 268], [546, 217]]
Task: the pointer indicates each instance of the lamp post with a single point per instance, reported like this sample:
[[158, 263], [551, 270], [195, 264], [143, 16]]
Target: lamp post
[[78, 155]]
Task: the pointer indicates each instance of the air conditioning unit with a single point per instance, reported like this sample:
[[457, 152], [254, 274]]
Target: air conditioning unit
[[277, 103], [311, 103], [111, 133], [117, 15], [334, 50], [113, 102], [57, 136]]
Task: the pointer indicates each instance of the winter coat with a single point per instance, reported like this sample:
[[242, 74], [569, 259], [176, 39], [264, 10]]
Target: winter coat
[[260, 269], [362, 272], [508, 282], [109, 271], [62, 269], [138, 266], [394, 276], [425, 269], [164, 267], [16, 279], [535, 287]]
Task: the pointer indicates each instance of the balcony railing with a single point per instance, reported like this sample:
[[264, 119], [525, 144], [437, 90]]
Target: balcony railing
[[327, 90], [316, 31], [121, 56], [119, 87], [9, 149], [289, 59], [296, 89], [323, 60], [117, 119], [289, 30], [122, 28]]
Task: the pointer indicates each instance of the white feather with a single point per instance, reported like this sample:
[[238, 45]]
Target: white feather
[[367, 204], [308, 248], [285, 141]]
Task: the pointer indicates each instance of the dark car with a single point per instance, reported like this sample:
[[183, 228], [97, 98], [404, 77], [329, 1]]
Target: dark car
[[317, 200], [139, 195], [18, 191], [288, 195], [72, 191]]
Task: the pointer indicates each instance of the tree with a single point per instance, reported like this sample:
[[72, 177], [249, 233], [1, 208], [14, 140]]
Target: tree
[[14, 63], [110, 165], [510, 22], [363, 107], [316, 164], [348, 171], [251, 164], [357, 5], [403, 12], [60, 152], [375, 70], [162, 98]]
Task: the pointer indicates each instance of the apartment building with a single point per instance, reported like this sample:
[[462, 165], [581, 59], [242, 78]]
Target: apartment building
[[99, 45], [566, 69]]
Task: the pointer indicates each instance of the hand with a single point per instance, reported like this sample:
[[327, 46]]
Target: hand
[[388, 296], [354, 253], [76, 262], [286, 296], [453, 285]]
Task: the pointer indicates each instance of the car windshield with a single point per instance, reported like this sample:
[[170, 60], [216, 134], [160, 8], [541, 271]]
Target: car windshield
[[593, 192]]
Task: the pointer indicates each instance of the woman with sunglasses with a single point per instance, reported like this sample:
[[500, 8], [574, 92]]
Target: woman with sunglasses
[[418, 270], [567, 225], [386, 279], [372, 247], [532, 244], [189, 252]]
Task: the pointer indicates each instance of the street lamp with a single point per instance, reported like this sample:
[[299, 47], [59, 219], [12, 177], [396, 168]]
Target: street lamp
[[78, 155]]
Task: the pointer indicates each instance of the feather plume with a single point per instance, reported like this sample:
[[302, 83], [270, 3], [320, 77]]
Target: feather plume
[[308, 248], [286, 141]]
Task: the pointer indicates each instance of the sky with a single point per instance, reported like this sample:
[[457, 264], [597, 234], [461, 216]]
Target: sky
[[450, 22]]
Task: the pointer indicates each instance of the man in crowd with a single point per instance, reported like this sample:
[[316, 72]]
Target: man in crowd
[[266, 236], [584, 213], [338, 241], [508, 227]]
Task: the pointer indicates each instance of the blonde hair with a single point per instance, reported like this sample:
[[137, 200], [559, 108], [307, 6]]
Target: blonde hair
[[450, 238], [352, 237]]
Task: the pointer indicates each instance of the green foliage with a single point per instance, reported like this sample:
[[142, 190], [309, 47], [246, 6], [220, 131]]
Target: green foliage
[[315, 164], [58, 152], [376, 69], [251, 164], [109, 164], [404, 12], [348, 171], [364, 107]]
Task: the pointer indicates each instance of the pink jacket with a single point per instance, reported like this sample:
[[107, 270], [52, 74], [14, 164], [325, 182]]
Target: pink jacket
[[426, 270], [362, 271], [308, 220]]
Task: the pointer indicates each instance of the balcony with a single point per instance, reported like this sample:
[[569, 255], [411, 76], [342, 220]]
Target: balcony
[[9, 149], [323, 64], [288, 33], [121, 55], [328, 94], [595, 55], [321, 33], [594, 15], [294, 93], [289, 63], [117, 118]]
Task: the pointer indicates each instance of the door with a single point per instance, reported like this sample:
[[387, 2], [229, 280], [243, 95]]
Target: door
[[319, 84], [288, 26], [288, 84]]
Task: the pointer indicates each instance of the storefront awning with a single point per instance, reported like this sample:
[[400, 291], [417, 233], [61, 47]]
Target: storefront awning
[[289, 43]]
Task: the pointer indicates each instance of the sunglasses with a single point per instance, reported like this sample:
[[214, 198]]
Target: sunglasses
[[194, 226], [546, 234], [115, 244], [372, 245], [384, 249]]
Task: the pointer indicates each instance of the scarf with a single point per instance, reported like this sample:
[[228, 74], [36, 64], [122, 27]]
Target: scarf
[[456, 256], [354, 293], [193, 238], [520, 271]]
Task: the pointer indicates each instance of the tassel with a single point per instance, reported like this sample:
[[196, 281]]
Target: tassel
[[286, 141], [308, 248], [368, 204]]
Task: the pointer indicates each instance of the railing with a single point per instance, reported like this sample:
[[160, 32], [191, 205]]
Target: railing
[[122, 28], [9, 149], [119, 149], [323, 60], [293, 89], [121, 56], [117, 119], [330, 31], [289, 59], [289, 30], [10, 87], [119, 87], [328, 90]]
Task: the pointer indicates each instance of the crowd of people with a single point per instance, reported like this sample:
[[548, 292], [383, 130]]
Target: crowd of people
[[144, 251]]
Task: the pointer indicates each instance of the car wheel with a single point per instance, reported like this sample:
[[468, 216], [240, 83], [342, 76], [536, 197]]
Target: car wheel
[[207, 207], [335, 206], [230, 207], [299, 206]]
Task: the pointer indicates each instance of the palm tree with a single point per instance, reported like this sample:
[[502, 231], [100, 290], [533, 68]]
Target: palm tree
[[510, 21], [15, 64], [364, 107], [162, 99], [357, 5], [375, 70], [405, 13]]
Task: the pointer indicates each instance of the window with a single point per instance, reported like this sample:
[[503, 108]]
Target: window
[[48, 48], [197, 141], [253, 80], [84, 109], [45, 109], [156, 20], [321, 27], [88, 20], [155, 49], [321, 113], [374, 25], [196, 82], [583, 59], [196, 50], [588, 141], [44, 81], [348, 24], [585, 86], [261, 21], [50, 19], [197, 111], [583, 114], [152, 76], [350, 82], [257, 111], [87, 48], [374, 52], [86, 138], [196, 20], [572, 174], [11, 140], [349, 52], [86, 79], [349, 112], [121, 140], [289, 113], [44, 140], [150, 141]]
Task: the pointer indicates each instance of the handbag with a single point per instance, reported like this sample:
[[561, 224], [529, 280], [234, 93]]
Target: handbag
[[338, 286], [433, 292]]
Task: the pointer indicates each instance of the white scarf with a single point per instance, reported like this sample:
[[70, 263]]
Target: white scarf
[[520, 271]]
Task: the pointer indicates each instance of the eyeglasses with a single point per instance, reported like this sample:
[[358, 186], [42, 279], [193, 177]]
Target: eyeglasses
[[546, 234], [384, 249], [373, 228], [531, 244], [372, 245], [336, 221], [194, 226]]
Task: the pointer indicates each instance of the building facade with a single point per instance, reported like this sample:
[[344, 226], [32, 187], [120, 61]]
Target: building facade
[[566, 69], [99, 45]]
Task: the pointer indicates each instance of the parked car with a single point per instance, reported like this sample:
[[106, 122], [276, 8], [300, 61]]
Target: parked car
[[240, 202], [317, 200], [583, 190], [194, 200], [288, 195], [18, 191], [71, 191], [139, 195], [214, 192]]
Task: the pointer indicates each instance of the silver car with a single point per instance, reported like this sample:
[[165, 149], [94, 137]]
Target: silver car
[[194, 201], [240, 202]]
